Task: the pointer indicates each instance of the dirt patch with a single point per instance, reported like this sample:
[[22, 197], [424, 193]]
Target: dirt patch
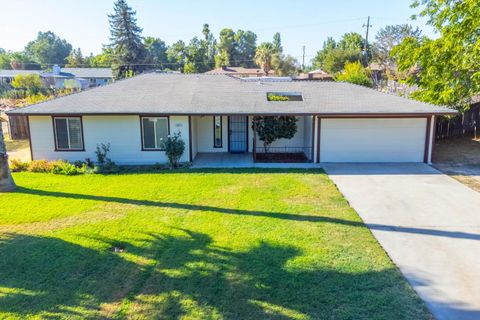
[[18, 149], [460, 159]]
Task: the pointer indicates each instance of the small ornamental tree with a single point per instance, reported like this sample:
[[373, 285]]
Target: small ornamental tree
[[174, 148], [271, 128]]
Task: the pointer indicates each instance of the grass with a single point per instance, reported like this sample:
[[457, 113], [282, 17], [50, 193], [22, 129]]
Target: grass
[[238, 244]]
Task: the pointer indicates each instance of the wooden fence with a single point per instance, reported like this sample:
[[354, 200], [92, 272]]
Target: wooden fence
[[467, 124], [18, 127]]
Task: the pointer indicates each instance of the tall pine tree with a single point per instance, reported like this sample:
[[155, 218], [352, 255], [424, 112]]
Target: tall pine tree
[[126, 41]]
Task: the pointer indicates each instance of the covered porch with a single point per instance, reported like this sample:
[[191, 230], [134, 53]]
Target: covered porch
[[218, 141]]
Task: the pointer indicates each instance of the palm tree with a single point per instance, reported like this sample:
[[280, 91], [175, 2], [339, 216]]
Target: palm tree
[[264, 55], [6, 180]]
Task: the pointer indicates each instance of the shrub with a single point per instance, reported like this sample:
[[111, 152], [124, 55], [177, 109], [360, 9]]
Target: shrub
[[174, 148], [104, 164], [101, 153], [36, 98], [355, 73], [40, 166], [66, 168], [17, 165]]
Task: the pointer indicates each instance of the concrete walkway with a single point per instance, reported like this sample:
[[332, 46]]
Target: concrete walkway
[[428, 223], [241, 160]]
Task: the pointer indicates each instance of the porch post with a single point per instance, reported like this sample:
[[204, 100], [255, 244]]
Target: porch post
[[254, 141]]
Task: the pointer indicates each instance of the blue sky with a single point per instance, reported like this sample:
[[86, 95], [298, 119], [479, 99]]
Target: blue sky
[[302, 22]]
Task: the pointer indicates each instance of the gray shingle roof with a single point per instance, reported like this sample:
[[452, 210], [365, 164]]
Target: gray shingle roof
[[221, 94]]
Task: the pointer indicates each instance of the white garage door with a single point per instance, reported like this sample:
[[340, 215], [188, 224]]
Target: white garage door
[[372, 140]]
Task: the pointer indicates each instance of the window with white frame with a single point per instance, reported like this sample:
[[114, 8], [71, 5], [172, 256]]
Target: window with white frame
[[154, 132], [68, 133]]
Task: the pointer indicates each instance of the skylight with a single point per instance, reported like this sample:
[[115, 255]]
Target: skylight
[[284, 96]]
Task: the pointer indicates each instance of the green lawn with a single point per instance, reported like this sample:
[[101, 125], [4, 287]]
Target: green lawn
[[246, 244]]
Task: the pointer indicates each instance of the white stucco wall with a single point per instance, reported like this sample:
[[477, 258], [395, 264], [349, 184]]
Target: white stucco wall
[[203, 134], [122, 132]]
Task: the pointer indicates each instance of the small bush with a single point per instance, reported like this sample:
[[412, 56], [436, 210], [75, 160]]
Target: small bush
[[66, 168], [101, 153], [17, 165], [40, 166], [174, 148]]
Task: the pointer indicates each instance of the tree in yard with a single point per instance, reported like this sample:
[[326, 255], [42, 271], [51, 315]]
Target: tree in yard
[[126, 41], [448, 68], [272, 128], [6, 181], [244, 49], [4, 60], [102, 60], [176, 56], [156, 52], [211, 44], [389, 37], [48, 49], [75, 59], [196, 59], [277, 43], [351, 41], [225, 48], [336, 59], [31, 83], [355, 73], [264, 55], [20, 61], [334, 55], [284, 65]]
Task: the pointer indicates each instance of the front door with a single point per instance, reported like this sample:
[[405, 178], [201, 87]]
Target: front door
[[237, 134]]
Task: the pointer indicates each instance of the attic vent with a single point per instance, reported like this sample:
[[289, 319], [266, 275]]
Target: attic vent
[[284, 96]]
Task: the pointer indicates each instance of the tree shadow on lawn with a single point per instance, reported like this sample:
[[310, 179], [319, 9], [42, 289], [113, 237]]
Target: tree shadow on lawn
[[189, 275], [269, 214]]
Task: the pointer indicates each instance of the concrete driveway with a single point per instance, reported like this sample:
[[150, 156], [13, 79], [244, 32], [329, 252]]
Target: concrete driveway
[[428, 223]]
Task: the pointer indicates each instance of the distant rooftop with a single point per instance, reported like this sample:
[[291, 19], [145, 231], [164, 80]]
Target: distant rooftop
[[241, 71]]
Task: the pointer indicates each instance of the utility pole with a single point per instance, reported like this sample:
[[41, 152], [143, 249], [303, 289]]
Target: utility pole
[[365, 49], [303, 59]]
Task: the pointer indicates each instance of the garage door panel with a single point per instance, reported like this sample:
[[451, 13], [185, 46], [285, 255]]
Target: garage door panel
[[372, 140]]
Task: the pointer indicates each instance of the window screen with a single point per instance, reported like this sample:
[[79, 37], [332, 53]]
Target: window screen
[[155, 131], [68, 133], [217, 132]]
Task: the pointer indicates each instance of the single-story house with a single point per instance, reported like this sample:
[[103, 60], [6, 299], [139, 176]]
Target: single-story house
[[337, 122]]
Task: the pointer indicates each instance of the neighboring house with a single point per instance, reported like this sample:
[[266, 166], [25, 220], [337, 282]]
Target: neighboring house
[[95, 76], [337, 122], [82, 78], [240, 72], [318, 74]]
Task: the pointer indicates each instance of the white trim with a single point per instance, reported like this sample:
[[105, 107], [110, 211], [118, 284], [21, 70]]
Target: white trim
[[67, 122], [431, 140], [157, 147]]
